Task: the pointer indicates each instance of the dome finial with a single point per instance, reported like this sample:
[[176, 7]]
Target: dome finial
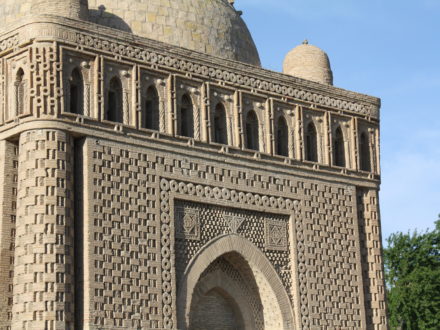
[[305, 42]]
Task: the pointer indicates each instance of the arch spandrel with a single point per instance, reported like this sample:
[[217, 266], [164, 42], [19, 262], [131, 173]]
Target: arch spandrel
[[257, 262]]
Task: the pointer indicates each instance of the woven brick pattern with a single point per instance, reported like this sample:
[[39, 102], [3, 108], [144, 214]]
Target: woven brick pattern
[[328, 252], [124, 252]]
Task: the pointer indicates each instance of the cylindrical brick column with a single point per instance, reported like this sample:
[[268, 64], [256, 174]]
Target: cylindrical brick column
[[43, 279], [8, 199]]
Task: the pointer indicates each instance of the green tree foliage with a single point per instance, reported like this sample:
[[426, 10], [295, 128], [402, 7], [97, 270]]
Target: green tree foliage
[[412, 274]]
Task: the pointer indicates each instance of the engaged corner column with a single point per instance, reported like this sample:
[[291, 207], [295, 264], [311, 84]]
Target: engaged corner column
[[43, 278]]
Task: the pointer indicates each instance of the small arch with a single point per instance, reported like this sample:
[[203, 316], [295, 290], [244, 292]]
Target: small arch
[[338, 148], [282, 137], [20, 92], [252, 131], [76, 92], [186, 117], [311, 143], [150, 118], [220, 128], [364, 152], [256, 260], [114, 101]]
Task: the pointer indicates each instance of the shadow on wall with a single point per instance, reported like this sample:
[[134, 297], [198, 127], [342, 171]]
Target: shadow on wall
[[105, 18]]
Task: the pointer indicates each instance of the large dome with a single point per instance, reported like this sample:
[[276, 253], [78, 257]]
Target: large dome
[[209, 26]]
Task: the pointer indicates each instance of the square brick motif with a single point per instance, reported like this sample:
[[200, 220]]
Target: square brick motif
[[187, 223], [275, 235]]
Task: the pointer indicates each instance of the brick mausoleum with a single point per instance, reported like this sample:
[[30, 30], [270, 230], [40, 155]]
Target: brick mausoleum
[[154, 176]]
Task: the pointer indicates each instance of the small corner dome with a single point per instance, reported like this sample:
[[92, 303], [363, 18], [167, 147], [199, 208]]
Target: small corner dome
[[308, 62], [14, 10]]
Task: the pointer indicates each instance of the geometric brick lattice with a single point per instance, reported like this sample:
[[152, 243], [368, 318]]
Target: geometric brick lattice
[[251, 227]]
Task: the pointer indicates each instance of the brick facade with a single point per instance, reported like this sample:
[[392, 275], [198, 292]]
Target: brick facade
[[108, 224]]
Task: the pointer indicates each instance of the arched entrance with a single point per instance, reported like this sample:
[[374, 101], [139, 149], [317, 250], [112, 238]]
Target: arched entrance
[[230, 284], [216, 311], [226, 297]]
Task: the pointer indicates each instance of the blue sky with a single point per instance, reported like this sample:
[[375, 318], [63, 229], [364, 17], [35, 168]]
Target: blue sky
[[385, 48]]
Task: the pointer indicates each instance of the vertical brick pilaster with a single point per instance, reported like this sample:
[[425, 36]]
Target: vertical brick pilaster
[[8, 205], [43, 286]]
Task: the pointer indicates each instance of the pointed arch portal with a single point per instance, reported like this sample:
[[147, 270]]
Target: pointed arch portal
[[205, 282]]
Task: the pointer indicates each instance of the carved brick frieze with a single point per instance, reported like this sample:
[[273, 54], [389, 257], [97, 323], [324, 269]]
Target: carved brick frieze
[[218, 193], [228, 76], [159, 55], [9, 42]]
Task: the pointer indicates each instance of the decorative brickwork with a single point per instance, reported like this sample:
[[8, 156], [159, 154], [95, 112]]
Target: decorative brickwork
[[250, 225], [372, 266], [123, 279], [119, 212], [329, 272], [233, 223], [276, 237], [187, 223], [45, 92]]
